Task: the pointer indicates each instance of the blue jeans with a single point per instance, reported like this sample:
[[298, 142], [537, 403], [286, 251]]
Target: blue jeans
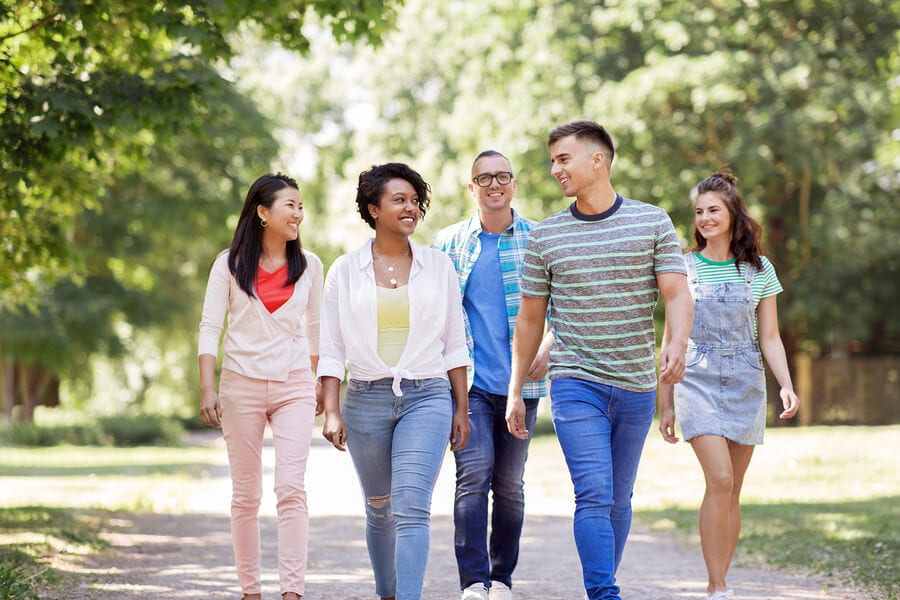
[[493, 460], [397, 444], [601, 430]]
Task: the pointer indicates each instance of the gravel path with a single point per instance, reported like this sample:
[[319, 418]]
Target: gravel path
[[161, 556]]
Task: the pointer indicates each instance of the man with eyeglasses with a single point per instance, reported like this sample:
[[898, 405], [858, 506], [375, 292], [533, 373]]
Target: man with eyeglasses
[[488, 251]]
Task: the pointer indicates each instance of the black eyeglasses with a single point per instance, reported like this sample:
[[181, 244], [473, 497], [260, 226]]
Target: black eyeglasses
[[484, 180]]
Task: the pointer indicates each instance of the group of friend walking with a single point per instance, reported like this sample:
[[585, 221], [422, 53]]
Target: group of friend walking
[[456, 343]]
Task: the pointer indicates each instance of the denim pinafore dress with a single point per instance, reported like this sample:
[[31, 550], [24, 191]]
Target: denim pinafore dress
[[724, 388]]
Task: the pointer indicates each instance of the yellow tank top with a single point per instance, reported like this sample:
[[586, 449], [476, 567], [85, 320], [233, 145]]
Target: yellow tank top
[[393, 323]]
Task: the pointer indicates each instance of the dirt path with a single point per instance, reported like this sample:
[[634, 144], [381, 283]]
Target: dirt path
[[189, 555]]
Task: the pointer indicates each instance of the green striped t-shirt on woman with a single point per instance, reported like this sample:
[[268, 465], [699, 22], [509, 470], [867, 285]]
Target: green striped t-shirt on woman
[[765, 283]]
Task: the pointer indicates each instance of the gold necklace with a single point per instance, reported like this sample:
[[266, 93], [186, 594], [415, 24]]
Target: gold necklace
[[392, 278]]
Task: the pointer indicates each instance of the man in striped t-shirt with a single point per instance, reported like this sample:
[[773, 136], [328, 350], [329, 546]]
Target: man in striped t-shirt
[[600, 265]]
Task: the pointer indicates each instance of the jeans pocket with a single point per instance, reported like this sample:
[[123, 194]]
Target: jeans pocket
[[693, 357], [754, 360]]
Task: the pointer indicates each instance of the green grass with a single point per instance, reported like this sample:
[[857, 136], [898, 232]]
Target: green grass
[[30, 535], [823, 500]]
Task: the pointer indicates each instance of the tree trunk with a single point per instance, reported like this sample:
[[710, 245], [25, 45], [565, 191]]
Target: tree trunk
[[8, 371]]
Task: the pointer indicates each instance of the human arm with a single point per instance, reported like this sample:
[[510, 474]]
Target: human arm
[[333, 430], [460, 430], [210, 407], [667, 405], [215, 306], [526, 342], [679, 319], [773, 350]]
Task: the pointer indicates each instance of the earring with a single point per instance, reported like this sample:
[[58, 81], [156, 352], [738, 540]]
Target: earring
[[264, 223]]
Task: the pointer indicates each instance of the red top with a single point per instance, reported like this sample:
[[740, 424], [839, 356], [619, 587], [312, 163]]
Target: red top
[[271, 289]]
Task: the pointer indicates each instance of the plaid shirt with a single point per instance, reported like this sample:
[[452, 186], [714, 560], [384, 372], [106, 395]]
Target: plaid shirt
[[460, 242]]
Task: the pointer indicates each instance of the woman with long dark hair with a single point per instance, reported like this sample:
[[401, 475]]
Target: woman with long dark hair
[[271, 290], [721, 402]]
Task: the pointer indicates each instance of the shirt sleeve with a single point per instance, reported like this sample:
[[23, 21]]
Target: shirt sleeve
[[667, 255], [535, 277], [332, 351], [215, 307], [456, 350], [773, 285], [313, 313]]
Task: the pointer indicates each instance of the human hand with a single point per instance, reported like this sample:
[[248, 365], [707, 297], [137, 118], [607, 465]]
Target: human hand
[[334, 431], [515, 416], [320, 399], [210, 409], [539, 366], [671, 363], [667, 425], [790, 401], [460, 430]]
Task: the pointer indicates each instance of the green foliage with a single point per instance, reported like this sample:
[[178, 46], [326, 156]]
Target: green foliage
[[799, 98], [117, 430], [88, 83]]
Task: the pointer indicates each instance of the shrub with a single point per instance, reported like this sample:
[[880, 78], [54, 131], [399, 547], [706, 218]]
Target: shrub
[[142, 430], [119, 430]]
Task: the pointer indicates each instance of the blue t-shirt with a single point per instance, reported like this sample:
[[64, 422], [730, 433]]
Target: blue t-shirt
[[485, 305]]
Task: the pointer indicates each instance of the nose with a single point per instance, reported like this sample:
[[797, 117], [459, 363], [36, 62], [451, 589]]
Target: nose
[[554, 169]]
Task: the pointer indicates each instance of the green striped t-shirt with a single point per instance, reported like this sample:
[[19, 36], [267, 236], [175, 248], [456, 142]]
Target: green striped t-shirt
[[765, 283], [599, 274]]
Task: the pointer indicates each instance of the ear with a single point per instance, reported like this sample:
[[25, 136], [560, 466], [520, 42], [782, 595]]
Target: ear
[[597, 159], [262, 212], [373, 211]]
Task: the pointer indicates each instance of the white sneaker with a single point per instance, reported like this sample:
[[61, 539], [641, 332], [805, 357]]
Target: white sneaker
[[476, 591], [500, 591], [720, 595]]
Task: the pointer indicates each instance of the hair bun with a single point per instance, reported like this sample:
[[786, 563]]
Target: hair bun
[[725, 174]]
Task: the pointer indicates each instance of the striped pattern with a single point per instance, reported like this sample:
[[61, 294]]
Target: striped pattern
[[765, 283], [460, 242], [600, 278]]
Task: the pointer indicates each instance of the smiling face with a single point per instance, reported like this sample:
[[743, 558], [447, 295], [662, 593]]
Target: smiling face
[[711, 217], [284, 216], [398, 208], [577, 164], [495, 197]]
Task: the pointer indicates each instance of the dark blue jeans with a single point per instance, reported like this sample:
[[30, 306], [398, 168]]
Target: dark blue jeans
[[601, 430], [493, 460]]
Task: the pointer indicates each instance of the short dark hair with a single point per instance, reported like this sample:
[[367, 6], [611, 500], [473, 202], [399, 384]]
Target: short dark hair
[[484, 153], [745, 231], [371, 186], [584, 130]]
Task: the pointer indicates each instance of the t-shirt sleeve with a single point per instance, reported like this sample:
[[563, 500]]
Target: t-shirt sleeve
[[667, 256], [773, 285], [535, 277]]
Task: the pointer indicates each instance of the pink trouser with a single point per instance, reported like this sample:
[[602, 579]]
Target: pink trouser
[[289, 407]]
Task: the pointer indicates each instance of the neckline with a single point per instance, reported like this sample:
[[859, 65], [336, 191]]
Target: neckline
[[715, 263]]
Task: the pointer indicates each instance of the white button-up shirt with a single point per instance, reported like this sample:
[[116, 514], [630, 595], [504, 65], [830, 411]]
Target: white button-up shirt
[[258, 343], [349, 328]]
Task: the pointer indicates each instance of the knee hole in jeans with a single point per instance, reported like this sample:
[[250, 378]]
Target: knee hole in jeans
[[378, 501]]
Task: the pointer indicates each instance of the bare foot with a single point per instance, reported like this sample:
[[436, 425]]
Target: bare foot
[[291, 596]]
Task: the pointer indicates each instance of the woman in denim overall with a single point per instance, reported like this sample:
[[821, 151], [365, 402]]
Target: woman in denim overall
[[721, 403]]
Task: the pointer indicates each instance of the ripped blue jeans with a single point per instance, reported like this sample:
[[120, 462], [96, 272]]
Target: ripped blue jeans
[[397, 444]]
